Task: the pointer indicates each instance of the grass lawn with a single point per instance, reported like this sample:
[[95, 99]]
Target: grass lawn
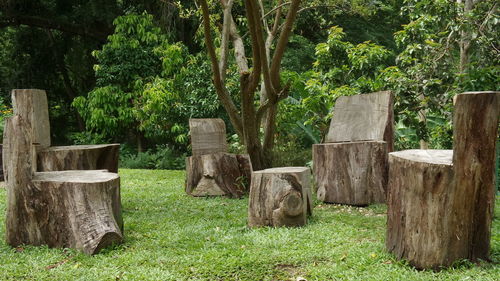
[[171, 236]]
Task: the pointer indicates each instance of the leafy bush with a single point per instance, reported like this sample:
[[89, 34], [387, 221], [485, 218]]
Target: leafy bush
[[163, 157]]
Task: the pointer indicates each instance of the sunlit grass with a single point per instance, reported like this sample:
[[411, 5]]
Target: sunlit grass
[[171, 236]]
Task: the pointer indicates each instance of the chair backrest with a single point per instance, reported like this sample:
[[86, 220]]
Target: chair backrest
[[366, 117], [208, 136], [475, 133], [32, 106], [18, 155]]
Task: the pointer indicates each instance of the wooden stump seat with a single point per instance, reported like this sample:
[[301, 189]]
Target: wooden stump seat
[[280, 197], [32, 106], [440, 202], [211, 171], [65, 209], [351, 166]]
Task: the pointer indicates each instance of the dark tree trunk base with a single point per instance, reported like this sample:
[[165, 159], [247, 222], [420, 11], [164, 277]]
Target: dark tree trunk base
[[218, 174]]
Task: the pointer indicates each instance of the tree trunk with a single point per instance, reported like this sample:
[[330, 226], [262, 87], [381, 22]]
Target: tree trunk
[[440, 203], [218, 174], [280, 197], [79, 157], [475, 121], [76, 209], [353, 173]]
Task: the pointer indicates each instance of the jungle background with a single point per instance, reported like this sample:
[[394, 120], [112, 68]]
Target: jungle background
[[135, 71]]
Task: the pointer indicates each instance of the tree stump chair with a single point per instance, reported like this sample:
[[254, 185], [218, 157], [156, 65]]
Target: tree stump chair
[[211, 171], [440, 202], [66, 209], [351, 166], [31, 105], [280, 197]]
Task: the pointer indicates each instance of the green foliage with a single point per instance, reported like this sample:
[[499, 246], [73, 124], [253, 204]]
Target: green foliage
[[172, 236], [341, 69], [147, 86], [5, 112], [163, 157]]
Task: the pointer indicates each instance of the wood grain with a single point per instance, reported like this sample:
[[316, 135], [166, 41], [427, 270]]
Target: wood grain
[[280, 197]]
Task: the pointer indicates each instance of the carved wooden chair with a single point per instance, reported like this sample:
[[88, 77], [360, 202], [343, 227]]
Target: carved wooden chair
[[440, 202], [351, 166], [32, 106], [67, 209], [212, 171]]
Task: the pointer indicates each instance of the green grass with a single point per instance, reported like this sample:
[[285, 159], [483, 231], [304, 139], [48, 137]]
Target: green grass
[[169, 235]]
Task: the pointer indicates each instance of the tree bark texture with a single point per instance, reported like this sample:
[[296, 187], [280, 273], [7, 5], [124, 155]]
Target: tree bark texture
[[440, 203], [75, 209], [280, 197], [207, 136], [79, 157], [32, 106], [353, 173], [419, 217], [218, 174], [366, 117]]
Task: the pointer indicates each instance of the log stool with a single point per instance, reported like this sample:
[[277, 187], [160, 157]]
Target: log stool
[[211, 171], [67, 209], [32, 106], [351, 167], [440, 202], [280, 197]]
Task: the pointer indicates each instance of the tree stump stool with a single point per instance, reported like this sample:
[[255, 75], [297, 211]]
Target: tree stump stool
[[32, 106], [440, 202], [67, 209], [352, 166], [211, 171], [280, 197]]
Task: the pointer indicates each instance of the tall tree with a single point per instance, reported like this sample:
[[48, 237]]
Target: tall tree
[[264, 72]]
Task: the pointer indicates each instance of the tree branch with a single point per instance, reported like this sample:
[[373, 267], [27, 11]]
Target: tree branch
[[221, 89], [55, 25], [282, 42]]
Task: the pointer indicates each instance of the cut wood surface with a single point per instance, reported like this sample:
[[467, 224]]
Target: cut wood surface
[[75, 209], [366, 117], [352, 173], [440, 203], [207, 136], [79, 157], [280, 197], [218, 174], [32, 106]]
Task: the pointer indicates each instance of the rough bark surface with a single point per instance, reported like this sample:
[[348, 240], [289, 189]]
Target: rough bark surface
[[419, 215], [32, 106], [280, 197], [218, 174], [440, 204], [353, 173], [75, 209], [366, 117], [79, 157], [207, 136], [475, 121]]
